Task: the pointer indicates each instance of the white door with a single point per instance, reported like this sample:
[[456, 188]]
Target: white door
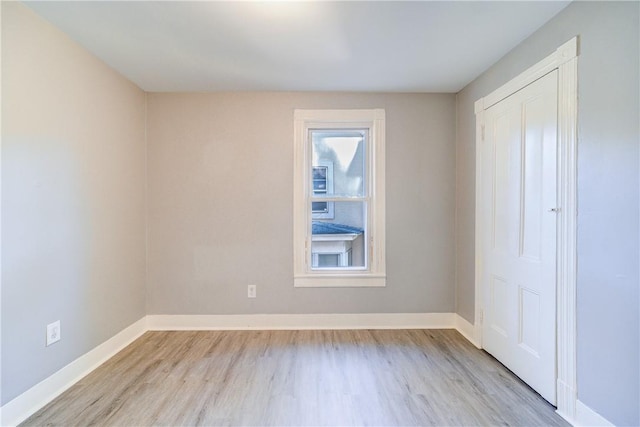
[[518, 190]]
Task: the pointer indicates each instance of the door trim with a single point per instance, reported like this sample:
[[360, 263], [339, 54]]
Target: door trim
[[565, 60]]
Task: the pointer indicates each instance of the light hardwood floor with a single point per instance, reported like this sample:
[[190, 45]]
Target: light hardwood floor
[[348, 377]]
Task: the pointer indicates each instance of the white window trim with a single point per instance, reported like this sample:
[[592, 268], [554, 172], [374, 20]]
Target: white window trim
[[375, 275]]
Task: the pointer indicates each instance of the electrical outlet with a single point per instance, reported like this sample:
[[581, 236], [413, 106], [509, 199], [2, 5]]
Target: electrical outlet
[[251, 291], [53, 332]]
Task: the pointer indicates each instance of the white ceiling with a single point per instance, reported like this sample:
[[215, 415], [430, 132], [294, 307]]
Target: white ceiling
[[290, 46]]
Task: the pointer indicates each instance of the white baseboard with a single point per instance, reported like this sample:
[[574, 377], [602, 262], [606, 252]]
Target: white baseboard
[[25, 405], [469, 331], [585, 416], [302, 321]]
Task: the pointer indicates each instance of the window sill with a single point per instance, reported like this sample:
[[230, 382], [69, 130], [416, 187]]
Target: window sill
[[339, 281]]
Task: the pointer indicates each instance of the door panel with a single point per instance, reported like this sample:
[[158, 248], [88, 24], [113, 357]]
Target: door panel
[[500, 312], [519, 181]]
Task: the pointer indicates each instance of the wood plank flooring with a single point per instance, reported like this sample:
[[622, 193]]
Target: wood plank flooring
[[319, 378]]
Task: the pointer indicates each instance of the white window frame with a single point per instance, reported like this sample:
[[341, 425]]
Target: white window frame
[[375, 274]]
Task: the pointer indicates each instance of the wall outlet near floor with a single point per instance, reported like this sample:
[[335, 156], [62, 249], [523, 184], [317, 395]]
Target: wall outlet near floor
[[53, 332], [251, 291]]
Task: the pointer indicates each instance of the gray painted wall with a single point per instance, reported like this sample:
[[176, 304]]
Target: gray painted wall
[[220, 171], [608, 194], [73, 210]]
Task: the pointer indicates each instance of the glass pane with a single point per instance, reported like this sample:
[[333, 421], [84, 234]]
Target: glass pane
[[338, 162], [340, 242], [320, 207], [328, 260], [320, 173]]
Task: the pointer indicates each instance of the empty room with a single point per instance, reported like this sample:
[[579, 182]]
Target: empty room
[[320, 213]]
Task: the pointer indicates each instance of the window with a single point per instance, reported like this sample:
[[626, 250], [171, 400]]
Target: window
[[322, 181], [339, 198]]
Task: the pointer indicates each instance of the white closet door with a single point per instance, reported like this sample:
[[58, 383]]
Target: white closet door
[[519, 184]]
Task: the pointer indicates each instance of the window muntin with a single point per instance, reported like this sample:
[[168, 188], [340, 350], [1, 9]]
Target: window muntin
[[346, 249]]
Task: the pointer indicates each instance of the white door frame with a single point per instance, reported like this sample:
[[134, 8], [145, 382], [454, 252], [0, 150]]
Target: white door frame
[[565, 60]]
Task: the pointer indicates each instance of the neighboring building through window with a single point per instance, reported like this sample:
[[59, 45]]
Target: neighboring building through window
[[322, 181], [339, 198]]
